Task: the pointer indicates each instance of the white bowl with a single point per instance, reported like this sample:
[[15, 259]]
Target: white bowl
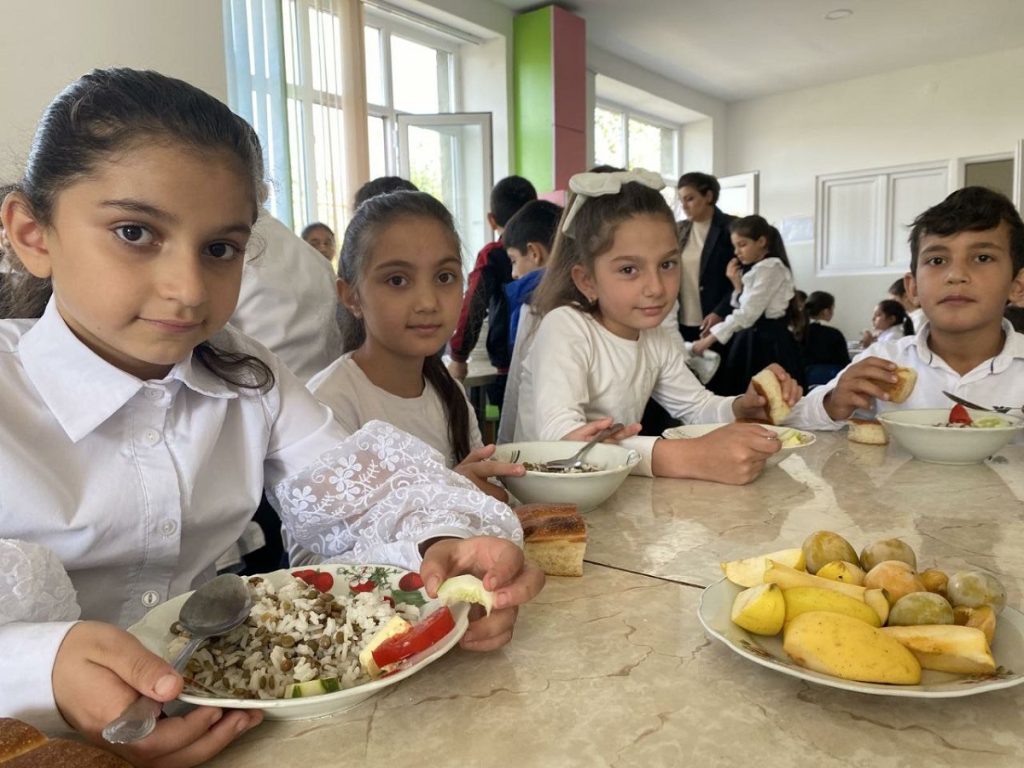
[[584, 489], [688, 431], [916, 430]]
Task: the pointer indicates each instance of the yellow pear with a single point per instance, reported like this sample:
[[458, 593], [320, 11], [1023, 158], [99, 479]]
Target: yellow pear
[[749, 572], [801, 600], [946, 647], [760, 609], [787, 578], [842, 646], [840, 570]]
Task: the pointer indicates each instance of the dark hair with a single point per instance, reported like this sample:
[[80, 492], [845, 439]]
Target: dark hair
[[113, 110], [892, 308], [898, 288], [508, 196], [755, 227], [370, 219], [536, 222], [309, 229], [971, 209], [591, 233], [382, 185], [703, 183], [818, 302]]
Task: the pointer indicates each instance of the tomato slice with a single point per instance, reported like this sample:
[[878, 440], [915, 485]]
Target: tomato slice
[[323, 581], [410, 581], [419, 638], [959, 415]]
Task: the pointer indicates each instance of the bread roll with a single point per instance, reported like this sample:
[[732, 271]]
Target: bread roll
[[866, 431], [555, 537], [767, 386], [22, 746], [906, 378]]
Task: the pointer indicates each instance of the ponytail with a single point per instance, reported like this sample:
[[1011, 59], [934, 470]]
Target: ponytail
[[456, 409]]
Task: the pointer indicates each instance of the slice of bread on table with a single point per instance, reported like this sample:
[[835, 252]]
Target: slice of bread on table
[[554, 536], [867, 432], [22, 746]]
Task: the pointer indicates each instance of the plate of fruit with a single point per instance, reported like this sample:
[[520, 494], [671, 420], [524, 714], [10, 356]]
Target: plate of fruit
[[318, 640], [870, 623]]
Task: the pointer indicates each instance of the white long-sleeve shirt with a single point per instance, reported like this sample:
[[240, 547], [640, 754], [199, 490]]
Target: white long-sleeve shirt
[[126, 491], [577, 371], [288, 299], [767, 290], [997, 381]]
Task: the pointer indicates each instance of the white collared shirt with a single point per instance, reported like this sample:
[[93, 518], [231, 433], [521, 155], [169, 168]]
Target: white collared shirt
[[578, 371], [767, 290], [134, 488], [997, 381]]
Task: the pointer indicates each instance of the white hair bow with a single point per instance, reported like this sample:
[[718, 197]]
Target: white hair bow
[[589, 184]]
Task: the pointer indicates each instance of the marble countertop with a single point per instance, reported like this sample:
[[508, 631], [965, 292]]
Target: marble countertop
[[614, 668]]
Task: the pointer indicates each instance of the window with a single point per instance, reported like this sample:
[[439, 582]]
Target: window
[[629, 140]]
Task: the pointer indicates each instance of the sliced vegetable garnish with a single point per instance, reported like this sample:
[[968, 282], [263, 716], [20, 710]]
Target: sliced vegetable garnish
[[422, 635], [466, 588], [959, 415]]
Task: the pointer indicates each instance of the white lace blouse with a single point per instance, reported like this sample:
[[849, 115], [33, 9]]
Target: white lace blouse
[[117, 494]]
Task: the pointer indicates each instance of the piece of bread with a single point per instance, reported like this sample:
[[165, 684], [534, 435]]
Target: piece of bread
[[906, 378], [22, 746], [554, 537], [866, 431], [767, 386]]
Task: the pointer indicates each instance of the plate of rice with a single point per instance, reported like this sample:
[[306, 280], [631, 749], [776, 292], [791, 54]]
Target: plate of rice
[[302, 632]]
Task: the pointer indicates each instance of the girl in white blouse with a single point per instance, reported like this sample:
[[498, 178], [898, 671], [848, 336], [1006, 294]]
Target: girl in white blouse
[[401, 289], [757, 331], [138, 431], [601, 350]]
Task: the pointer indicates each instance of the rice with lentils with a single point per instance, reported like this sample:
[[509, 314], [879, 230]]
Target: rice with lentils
[[293, 634]]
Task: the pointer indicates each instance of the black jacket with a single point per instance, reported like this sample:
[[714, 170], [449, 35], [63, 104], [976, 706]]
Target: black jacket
[[715, 288]]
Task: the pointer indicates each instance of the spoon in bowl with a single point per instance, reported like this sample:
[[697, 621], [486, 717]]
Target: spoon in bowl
[[214, 609], [576, 460], [975, 406]]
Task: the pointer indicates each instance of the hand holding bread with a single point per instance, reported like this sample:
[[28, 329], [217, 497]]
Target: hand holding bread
[[865, 381], [770, 396]]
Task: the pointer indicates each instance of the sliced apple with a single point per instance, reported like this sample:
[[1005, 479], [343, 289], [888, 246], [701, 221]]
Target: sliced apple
[[749, 572]]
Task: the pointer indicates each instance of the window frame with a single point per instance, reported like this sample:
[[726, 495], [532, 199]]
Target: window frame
[[629, 113]]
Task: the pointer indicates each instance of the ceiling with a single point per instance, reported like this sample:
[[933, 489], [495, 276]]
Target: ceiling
[[741, 49]]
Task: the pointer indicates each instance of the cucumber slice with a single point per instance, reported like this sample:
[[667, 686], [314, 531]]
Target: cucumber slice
[[466, 588], [312, 688]]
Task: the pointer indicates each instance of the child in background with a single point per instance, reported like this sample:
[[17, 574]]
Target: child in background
[[139, 431], [824, 348], [759, 324], [485, 291], [898, 292], [528, 238], [321, 237], [966, 262], [601, 350], [401, 289], [889, 322], [382, 185]]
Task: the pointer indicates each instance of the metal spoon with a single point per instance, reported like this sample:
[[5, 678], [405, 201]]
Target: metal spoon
[[576, 460], [975, 406], [215, 608]]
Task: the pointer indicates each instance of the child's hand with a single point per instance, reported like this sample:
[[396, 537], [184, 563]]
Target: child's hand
[[751, 405], [458, 370], [592, 429], [100, 669], [734, 272], [867, 339], [710, 321], [477, 468], [859, 386], [500, 565], [703, 345], [734, 454]]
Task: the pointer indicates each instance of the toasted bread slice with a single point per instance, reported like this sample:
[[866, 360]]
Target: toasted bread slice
[[867, 431], [900, 391], [767, 385]]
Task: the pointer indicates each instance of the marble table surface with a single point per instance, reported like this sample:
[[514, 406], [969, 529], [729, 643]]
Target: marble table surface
[[614, 668]]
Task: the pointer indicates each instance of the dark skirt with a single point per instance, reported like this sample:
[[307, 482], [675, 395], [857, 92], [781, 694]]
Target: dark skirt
[[753, 349]]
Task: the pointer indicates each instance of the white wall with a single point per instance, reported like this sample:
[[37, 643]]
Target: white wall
[[936, 112], [46, 45]]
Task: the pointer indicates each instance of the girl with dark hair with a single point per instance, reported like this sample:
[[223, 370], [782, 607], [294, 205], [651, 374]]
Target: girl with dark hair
[[889, 322], [762, 299], [400, 282], [601, 349], [139, 430], [824, 348]]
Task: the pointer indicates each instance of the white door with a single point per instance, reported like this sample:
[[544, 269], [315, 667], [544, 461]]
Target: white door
[[740, 193], [449, 156]]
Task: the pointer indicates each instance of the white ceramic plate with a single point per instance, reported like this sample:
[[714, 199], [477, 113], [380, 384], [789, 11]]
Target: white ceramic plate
[[688, 431], [1007, 647], [154, 633]]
